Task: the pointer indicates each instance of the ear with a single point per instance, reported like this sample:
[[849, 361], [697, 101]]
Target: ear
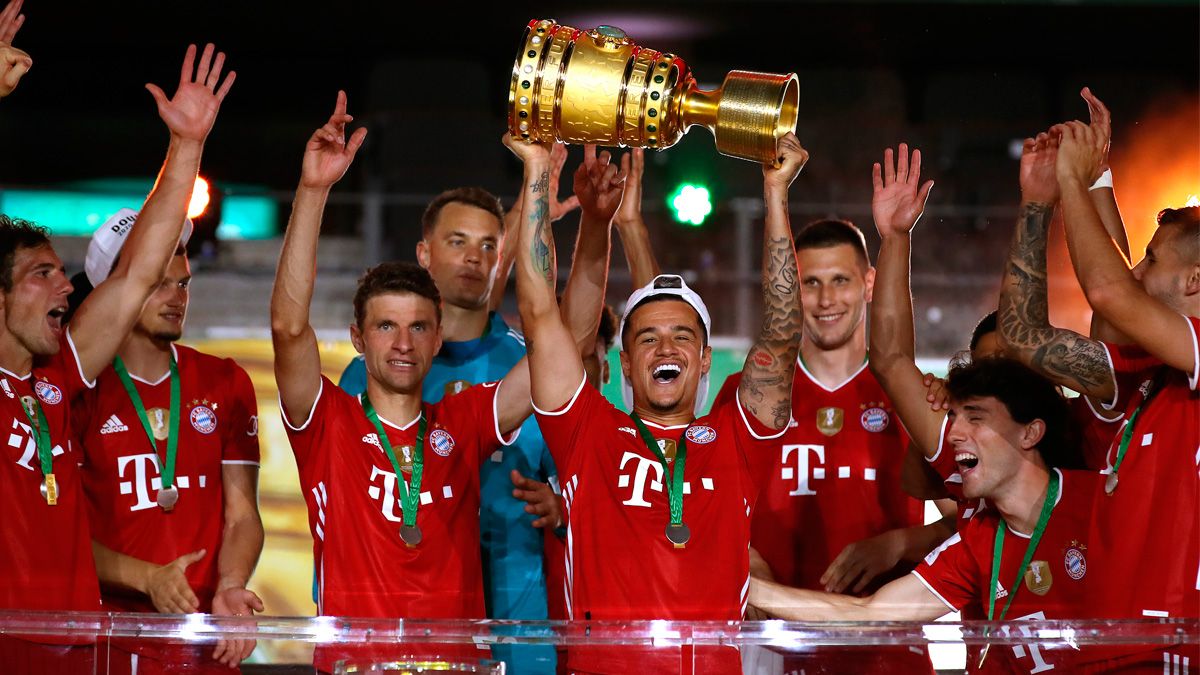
[[1191, 285], [626, 367], [706, 360], [356, 338], [869, 279], [1032, 434], [605, 373], [423, 254]]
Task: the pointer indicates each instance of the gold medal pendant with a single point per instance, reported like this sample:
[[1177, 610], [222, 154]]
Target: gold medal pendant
[[1110, 484], [50, 489]]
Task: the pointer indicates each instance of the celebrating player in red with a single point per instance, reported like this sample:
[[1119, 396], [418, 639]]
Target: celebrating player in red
[[658, 502], [44, 366]]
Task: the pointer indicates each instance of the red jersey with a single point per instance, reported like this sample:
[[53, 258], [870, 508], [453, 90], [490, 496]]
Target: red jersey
[[45, 551], [1095, 432], [1059, 583], [620, 564], [218, 425], [834, 478], [1149, 529], [364, 569]]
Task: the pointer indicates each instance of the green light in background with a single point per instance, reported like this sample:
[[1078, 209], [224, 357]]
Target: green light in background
[[691, 204]]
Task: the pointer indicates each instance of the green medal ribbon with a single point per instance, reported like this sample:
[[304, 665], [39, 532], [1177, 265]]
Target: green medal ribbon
[[1110, 483], [674, 479], [998, 553], [409, 495], [41, 438], [168, 462]]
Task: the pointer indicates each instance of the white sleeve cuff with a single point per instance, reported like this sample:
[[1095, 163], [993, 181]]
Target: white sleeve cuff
[[941, 442], [307, 418], [1110, 406], [750, 426], [496, 419], [90, 384], [935, 593], [568, 406]]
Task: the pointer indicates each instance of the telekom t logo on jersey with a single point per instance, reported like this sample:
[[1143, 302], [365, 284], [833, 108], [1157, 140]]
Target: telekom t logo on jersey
[[800, 469], [140, 474], [648, 471]]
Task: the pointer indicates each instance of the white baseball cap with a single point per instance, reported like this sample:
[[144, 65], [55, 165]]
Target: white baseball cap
[[672, 285], [107, 241]]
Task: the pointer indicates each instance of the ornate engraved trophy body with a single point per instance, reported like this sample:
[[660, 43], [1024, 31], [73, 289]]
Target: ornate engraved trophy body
[[597, 86]]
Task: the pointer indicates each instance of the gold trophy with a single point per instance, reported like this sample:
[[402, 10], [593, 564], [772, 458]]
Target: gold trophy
[[597, 86]]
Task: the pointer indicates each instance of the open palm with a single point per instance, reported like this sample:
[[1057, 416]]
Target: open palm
[[898, 202], [328, 154], [190, 114]]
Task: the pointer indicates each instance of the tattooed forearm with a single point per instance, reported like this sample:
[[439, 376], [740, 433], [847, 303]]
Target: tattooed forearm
[[767, 376], [542, 249], [1064, 356]]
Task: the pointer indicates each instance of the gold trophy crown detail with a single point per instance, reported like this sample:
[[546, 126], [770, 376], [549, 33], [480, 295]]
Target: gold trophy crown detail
[[597, 86]]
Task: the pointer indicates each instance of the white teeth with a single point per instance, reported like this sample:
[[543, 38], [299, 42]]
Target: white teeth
[[963, 456], [667, 368]]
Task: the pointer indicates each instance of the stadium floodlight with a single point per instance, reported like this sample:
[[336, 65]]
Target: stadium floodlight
[[691, 204]]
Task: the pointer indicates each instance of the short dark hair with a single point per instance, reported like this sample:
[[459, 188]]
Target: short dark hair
[[471, 196], [1187, 220], [832, 232], [16, 234], [1028, 396], [986, 325], [608, 327], [394, 277]]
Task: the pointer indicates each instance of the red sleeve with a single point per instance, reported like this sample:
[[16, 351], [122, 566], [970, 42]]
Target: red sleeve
[[69, 372], [757, 442], [241, 440], [728, 390], [309, 436], [1131, 365], [473, 410], [563, 429], [951, 572], [945, 466]]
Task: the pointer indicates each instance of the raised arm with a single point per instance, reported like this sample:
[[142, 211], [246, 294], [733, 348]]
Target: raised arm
[[1110, 286], [635, 239], [508, 250], [905, 599], [766, 387], [896, 205], [598, 184], [1064, 356], [555, 367], [297, 362], [105, 318]]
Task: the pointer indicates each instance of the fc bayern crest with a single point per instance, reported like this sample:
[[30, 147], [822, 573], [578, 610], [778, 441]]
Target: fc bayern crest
[[875, 419], [50, 394], [204, 419], [701, 434], [441, 441], [1075, 562]]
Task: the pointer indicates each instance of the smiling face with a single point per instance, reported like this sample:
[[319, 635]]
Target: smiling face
[[835, 287], [164, 313], [664, 356], [33, 309], [989, 446], [461, 252], [399, 336]]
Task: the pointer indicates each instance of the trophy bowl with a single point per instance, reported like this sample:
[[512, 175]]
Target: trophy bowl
[[597, 86]]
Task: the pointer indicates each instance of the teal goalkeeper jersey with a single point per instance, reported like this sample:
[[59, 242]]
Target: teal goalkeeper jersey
[[513, 581]]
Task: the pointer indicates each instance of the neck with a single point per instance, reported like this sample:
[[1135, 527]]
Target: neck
[[682, 415], [14, 357], [1022, 502], [146, 357], [832, 367], [396, 407], [460, 324]]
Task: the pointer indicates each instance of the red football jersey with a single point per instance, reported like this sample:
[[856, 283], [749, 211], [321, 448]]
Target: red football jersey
[[1149, 529], [218, 425], [1095, 432], [1059, 583], [834, 478], [620, 564], [46, 551], [364, 569]]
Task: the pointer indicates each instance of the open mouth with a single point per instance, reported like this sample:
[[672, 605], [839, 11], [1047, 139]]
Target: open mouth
[[398, 363], [966, 461], [55, 316], [665, 373], [830, 318]]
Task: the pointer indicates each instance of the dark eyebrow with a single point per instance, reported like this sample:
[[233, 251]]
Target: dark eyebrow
[[686, 329], [972, 407]]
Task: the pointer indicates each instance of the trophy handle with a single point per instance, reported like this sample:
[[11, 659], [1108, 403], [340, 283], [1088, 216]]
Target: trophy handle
[[747, 115]]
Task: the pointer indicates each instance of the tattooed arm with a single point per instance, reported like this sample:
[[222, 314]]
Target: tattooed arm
[[1065, 357], [766, 387], [555, 367], [896, 205]]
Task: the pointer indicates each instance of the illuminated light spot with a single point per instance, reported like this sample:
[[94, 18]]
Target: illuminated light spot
[[691, 204], [200, 198]]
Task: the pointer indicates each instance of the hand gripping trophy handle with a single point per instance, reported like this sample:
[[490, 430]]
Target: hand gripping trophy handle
[[598, 87]]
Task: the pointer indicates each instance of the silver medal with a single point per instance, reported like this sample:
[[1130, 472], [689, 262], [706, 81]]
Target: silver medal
[[1110, 484], [167, 497], [678, 534], [410, 534]]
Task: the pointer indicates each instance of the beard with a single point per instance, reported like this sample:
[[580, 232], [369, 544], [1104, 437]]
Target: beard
[[167, 335]]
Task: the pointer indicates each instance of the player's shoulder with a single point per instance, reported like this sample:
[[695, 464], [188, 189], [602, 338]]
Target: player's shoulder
[[206, 362]]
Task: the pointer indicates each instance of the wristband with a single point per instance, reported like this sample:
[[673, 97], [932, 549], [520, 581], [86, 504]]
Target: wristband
[[1104, 181]]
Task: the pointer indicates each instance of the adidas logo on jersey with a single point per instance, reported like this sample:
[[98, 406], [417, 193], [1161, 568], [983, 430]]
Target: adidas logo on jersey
[[628, 430], [113, 425]]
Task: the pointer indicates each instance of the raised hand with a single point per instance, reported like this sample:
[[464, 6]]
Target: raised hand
[[328, 153], [558, 209], [11, 20], [235, 602], [1081, 152], [792, 158], [190, 114], [168, 587], [14, 63], [599, 183], [864, 560], [1101, 120], [897, 202], [630, 210], [530, 151], [936, 392], [539, 500], [1039, 185]]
